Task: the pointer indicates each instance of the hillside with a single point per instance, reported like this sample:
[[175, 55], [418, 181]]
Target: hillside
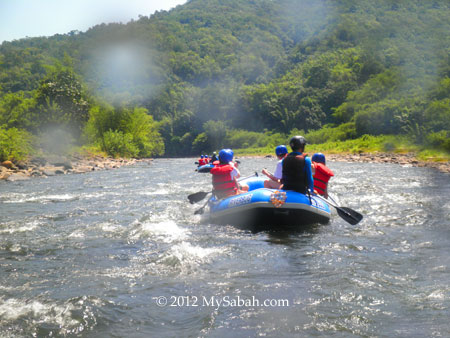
[[238, 73]]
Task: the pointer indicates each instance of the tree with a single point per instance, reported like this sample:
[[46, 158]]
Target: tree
[[111, 128], [215, 132], [17, 111], [62, 101]]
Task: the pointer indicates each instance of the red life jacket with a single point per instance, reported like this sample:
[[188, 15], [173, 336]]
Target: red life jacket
[[201, 161], [223, 184], [321, 177]]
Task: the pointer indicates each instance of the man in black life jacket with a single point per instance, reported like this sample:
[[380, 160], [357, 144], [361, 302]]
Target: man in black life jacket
[[297, 173]]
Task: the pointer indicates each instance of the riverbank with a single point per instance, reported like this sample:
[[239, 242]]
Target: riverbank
[[77, 164], [408, 159], [402, 159], [60, 165]]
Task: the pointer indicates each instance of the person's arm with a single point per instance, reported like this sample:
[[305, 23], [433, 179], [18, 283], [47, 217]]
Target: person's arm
[[309, 176], [269, 175], [235, 172]]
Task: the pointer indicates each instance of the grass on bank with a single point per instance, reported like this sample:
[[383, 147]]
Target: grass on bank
[[364, 144]]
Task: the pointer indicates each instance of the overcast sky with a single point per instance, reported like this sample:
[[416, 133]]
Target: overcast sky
[[32, 18]]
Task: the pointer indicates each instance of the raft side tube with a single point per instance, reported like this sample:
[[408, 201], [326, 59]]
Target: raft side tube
[[205, 168], [256, 207]]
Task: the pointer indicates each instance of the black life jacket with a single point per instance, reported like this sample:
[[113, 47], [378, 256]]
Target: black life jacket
[[294, 174]]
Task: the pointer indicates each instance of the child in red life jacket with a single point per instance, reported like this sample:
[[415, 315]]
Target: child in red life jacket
[[321, 174], [224, 175]]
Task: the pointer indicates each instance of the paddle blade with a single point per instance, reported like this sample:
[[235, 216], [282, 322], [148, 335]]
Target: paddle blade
[[351, 216], [197, 197]]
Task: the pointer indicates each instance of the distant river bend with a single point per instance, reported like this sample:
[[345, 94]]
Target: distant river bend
[[120, 253]]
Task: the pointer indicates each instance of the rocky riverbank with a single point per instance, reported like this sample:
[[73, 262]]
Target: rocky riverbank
[[402, 159], [59, 165]]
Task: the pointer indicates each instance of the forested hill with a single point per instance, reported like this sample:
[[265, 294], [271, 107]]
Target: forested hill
[[234, 73]]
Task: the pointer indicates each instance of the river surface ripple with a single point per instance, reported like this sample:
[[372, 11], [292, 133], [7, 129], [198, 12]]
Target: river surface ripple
[[120, 253]]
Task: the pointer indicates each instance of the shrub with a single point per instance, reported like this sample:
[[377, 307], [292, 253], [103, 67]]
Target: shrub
[[144, 133], [389, 146], [116, 143], [332, 134], [15, 144], [440, 140], [242, 139], [112, 128]]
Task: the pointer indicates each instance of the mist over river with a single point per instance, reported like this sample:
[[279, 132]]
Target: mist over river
[[120, 253]]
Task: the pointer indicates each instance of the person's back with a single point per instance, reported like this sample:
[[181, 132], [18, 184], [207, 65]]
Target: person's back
[[322, 174], [296, 172], [224, 175], [294, 177]]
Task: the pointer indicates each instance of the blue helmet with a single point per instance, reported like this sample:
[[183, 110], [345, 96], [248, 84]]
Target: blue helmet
[[226, 155], [206, 156], [202, 156], [319, 158], [281, 150]]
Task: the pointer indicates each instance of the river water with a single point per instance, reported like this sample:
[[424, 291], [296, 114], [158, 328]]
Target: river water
[[120, 253]]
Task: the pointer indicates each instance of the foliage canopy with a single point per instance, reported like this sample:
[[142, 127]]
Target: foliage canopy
[[206, 73]]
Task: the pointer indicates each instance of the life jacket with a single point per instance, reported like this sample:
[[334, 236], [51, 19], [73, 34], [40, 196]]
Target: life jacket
[[201, 162], [321, 177], [223, 184], [294, 174]]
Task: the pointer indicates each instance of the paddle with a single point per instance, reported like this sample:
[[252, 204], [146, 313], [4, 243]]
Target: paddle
[[200, 211], [198, 196], [351, 216]]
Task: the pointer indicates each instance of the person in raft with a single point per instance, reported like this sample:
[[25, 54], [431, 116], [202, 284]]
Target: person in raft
[[225, 175], [214, 157], [274, 181], [201, 161], [321, 174], [296, 168]]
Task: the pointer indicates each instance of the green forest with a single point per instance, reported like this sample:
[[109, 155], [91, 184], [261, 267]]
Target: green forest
[[233, 73]]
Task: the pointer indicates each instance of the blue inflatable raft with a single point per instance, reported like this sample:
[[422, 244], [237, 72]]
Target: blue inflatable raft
[[268, 207]]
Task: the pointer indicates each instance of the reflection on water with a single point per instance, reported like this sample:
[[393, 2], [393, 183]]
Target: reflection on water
[[121, 253]]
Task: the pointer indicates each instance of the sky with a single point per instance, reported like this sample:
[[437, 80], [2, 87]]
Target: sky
[[33, 18]]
